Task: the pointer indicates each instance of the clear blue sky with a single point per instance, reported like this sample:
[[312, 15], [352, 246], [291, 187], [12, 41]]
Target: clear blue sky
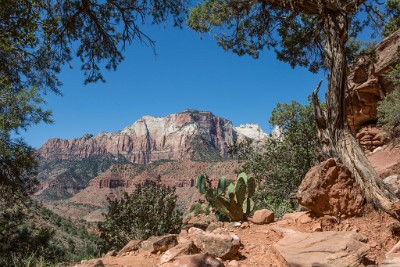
[[187, 72]]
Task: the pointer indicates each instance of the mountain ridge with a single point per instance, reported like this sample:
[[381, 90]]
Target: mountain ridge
[[175, 136]]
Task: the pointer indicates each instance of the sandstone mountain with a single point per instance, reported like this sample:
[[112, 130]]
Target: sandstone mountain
[[192, 134]]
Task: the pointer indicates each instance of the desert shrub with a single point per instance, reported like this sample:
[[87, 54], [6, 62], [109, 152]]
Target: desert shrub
[[198, 208], [280, 166], [389, 107], [150, 210]]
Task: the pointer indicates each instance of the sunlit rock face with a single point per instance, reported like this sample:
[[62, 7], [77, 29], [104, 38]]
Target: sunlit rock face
[[191, 134], [368, 84]]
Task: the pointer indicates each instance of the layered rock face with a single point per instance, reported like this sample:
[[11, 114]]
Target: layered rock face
[[368, 84], [188, 135]]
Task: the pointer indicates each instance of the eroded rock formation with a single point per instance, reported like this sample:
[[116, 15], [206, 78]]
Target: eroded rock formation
[[368, 84]]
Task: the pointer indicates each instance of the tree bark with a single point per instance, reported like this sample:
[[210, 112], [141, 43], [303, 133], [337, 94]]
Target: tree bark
[[333, 131]]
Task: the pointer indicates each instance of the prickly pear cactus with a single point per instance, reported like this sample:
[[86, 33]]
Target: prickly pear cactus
[[232, 200]]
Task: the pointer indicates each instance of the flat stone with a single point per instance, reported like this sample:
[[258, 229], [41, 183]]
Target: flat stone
[[331, 248]]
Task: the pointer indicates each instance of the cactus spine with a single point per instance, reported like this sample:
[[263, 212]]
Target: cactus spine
[[232, 200]]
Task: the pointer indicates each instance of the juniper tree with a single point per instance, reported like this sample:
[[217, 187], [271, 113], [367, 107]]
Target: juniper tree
[[38, 37], [315, 34]]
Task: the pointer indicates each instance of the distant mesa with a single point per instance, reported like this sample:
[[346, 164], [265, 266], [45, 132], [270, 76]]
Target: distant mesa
[[192, 134]]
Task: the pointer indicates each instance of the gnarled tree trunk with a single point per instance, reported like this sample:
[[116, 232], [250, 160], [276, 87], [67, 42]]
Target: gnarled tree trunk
[[333, 130]]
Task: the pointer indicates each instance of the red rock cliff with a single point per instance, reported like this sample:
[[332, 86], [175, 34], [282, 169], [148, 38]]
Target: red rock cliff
[[177, 136]]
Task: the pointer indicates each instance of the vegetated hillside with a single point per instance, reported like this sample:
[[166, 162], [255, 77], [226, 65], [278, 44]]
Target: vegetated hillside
[[91, 202], [47, 235], [63, 178]]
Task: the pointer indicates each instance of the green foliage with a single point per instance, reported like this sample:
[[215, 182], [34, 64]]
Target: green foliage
[[280, 166], [393, 21], [389, 107], [38, 37], [199, 208], [149, 210], [232, 200], [294, 30], [19, 109], [279, 205]]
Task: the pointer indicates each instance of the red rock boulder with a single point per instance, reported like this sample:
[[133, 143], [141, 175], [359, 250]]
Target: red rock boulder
[[330, 189]]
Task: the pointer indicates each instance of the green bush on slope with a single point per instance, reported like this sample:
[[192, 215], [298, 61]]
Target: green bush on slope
[[149, 210], [389, 107]]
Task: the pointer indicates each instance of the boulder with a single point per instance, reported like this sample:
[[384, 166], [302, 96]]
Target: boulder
[[337, 249], [159, 243], [197, 260], [223, 246], [393, 182], [133, 245], [263, 216], [186, 248], [330, 189]]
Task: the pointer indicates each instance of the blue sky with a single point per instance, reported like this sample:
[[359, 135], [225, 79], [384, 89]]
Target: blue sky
[[187, 72]]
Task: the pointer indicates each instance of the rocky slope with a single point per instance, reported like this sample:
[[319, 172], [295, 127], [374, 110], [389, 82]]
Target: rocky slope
[[192, 134]]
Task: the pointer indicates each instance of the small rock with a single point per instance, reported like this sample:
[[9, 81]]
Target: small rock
[[373, 244], [245, 225], [283, 231], [234, 225], [159, 243], [293, 216], [316, 227], [197, 260], [111, 253], [187, 248], [263, 216], [233, 263], [305, 218], [187, 219], [91, 263], [131, 246]]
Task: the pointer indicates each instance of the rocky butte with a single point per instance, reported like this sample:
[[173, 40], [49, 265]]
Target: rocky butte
[[192, 134]]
